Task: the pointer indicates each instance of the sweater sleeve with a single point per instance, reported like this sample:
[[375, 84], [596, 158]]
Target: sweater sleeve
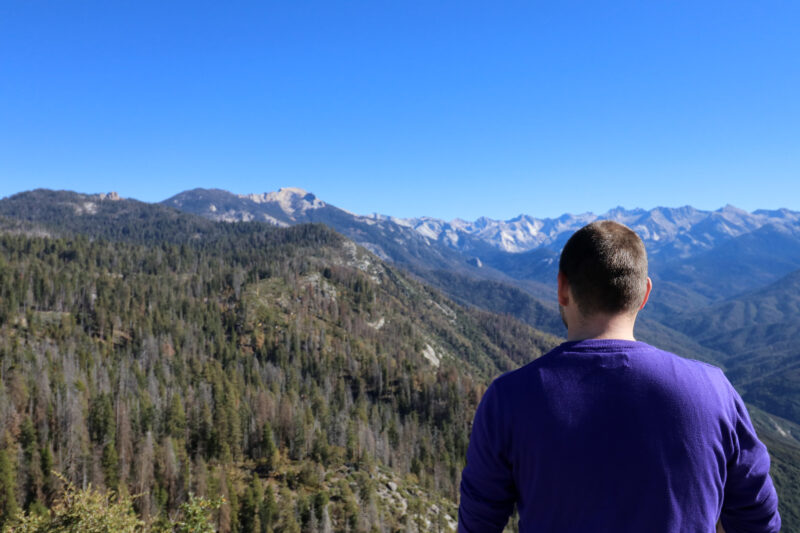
[[750, 502], [488, 493]]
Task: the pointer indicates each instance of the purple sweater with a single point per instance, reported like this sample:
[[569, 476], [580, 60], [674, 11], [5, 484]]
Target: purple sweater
[[615, 436]]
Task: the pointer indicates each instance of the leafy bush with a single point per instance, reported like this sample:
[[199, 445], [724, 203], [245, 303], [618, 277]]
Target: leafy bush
[[92, 511]]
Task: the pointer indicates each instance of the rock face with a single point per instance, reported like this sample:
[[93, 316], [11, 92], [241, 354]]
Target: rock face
[[290, 199], [113, 196]]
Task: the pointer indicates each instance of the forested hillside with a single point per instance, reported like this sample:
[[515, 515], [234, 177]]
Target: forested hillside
[[285, 370]]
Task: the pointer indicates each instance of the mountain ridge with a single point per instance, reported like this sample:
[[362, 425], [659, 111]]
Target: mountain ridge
[[686, 230]]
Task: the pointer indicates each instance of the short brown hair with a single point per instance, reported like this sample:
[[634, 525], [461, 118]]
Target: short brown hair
[[605, 264]]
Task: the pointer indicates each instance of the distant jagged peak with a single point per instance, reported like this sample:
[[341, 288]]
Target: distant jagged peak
[[625, 216], [283, 193], [778, 214], [112, 196], [291, 200], [619, 211], [728, 208], [658, 226]]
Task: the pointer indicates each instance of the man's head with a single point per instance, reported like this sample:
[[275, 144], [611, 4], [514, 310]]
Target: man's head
[[605, 267]]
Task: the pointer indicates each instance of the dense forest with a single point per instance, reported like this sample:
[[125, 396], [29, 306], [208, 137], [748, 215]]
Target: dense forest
[[285, 370]]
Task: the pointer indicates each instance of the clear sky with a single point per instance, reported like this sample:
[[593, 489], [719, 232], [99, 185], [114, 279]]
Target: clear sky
[[447, 109]]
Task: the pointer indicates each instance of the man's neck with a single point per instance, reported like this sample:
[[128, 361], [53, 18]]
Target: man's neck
[[618, 327]]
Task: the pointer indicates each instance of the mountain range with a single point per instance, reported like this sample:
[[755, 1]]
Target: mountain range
[[673, 232]]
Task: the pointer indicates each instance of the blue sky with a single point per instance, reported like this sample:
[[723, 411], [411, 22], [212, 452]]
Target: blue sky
[[447, 109]]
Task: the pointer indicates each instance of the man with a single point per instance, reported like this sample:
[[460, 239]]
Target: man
[[607, 434]]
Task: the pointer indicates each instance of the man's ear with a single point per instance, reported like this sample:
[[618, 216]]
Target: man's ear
[[647, 292], [563, 289]]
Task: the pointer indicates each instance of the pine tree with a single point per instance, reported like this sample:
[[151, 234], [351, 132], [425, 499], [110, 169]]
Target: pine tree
[[110, 464], [268, 510], [8, 499], [268, 448], [248, 508]]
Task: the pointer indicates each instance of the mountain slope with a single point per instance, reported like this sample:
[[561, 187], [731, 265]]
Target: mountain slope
[[104, 215], [739, 264], [782, 439], [776, 303], [757, 332], [239, 359]]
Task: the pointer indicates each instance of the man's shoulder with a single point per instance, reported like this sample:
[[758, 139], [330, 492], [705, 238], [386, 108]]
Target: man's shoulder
[[696, 366], [639, 357]]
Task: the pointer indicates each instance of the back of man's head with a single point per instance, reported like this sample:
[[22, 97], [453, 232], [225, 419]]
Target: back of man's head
[[605, 264]]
